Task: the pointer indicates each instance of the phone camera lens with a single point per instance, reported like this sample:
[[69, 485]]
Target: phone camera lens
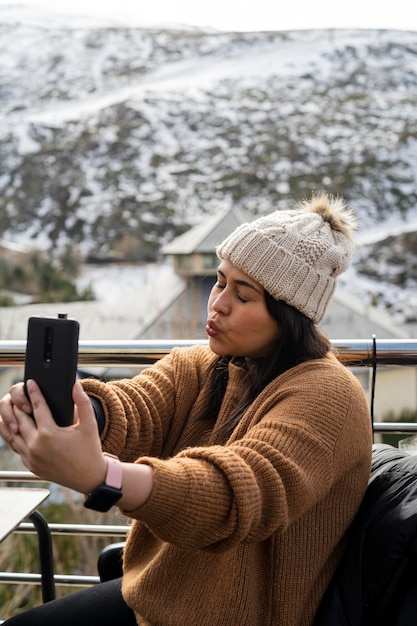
[[48, 345]]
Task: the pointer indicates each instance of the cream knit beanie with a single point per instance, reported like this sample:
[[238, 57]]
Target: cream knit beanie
[[296, 255]]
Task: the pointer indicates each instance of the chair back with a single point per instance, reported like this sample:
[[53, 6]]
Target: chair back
[[376, 582]]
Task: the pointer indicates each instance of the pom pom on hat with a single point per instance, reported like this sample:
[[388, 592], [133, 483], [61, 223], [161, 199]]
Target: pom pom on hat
[[296, 255]]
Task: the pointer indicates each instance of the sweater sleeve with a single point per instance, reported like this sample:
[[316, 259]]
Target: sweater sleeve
[[303, 436], [145, 412]]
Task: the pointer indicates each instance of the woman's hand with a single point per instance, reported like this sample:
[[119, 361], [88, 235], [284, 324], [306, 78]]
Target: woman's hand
[[70, 456], [8, 422]]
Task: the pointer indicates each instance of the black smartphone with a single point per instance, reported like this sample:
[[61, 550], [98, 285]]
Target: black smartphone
[[51, 360]]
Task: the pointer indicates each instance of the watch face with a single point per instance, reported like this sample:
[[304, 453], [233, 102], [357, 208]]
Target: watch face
[[103, 498]]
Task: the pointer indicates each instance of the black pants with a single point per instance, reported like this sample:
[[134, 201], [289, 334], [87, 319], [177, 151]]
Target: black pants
[[101, 604]]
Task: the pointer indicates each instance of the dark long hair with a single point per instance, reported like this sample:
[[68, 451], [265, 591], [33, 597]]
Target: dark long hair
[[300, 340]]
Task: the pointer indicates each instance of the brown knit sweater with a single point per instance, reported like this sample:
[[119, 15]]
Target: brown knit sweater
[[247, 531]]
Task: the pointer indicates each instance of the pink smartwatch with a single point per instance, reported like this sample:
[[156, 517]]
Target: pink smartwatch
[[109, 492]]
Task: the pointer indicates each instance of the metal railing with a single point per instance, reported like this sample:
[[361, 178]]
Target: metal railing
[[105, 353], [370, 353], [355, 353]]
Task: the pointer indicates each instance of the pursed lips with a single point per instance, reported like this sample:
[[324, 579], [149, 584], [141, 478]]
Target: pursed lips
[[212, 329]]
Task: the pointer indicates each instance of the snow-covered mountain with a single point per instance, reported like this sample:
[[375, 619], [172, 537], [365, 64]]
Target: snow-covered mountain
[[115, 138]]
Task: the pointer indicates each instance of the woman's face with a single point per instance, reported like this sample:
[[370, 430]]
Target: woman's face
[[239, 323]]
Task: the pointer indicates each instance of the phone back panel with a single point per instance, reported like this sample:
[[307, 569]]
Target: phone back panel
[[51, 360]]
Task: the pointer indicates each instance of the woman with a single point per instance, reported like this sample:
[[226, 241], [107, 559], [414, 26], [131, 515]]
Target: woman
[[241, 464]]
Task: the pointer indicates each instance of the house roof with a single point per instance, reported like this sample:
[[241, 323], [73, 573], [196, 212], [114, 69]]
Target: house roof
[[204, 237]]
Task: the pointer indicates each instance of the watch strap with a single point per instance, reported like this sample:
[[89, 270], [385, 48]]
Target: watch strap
[[110, 491], [114, 473]]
